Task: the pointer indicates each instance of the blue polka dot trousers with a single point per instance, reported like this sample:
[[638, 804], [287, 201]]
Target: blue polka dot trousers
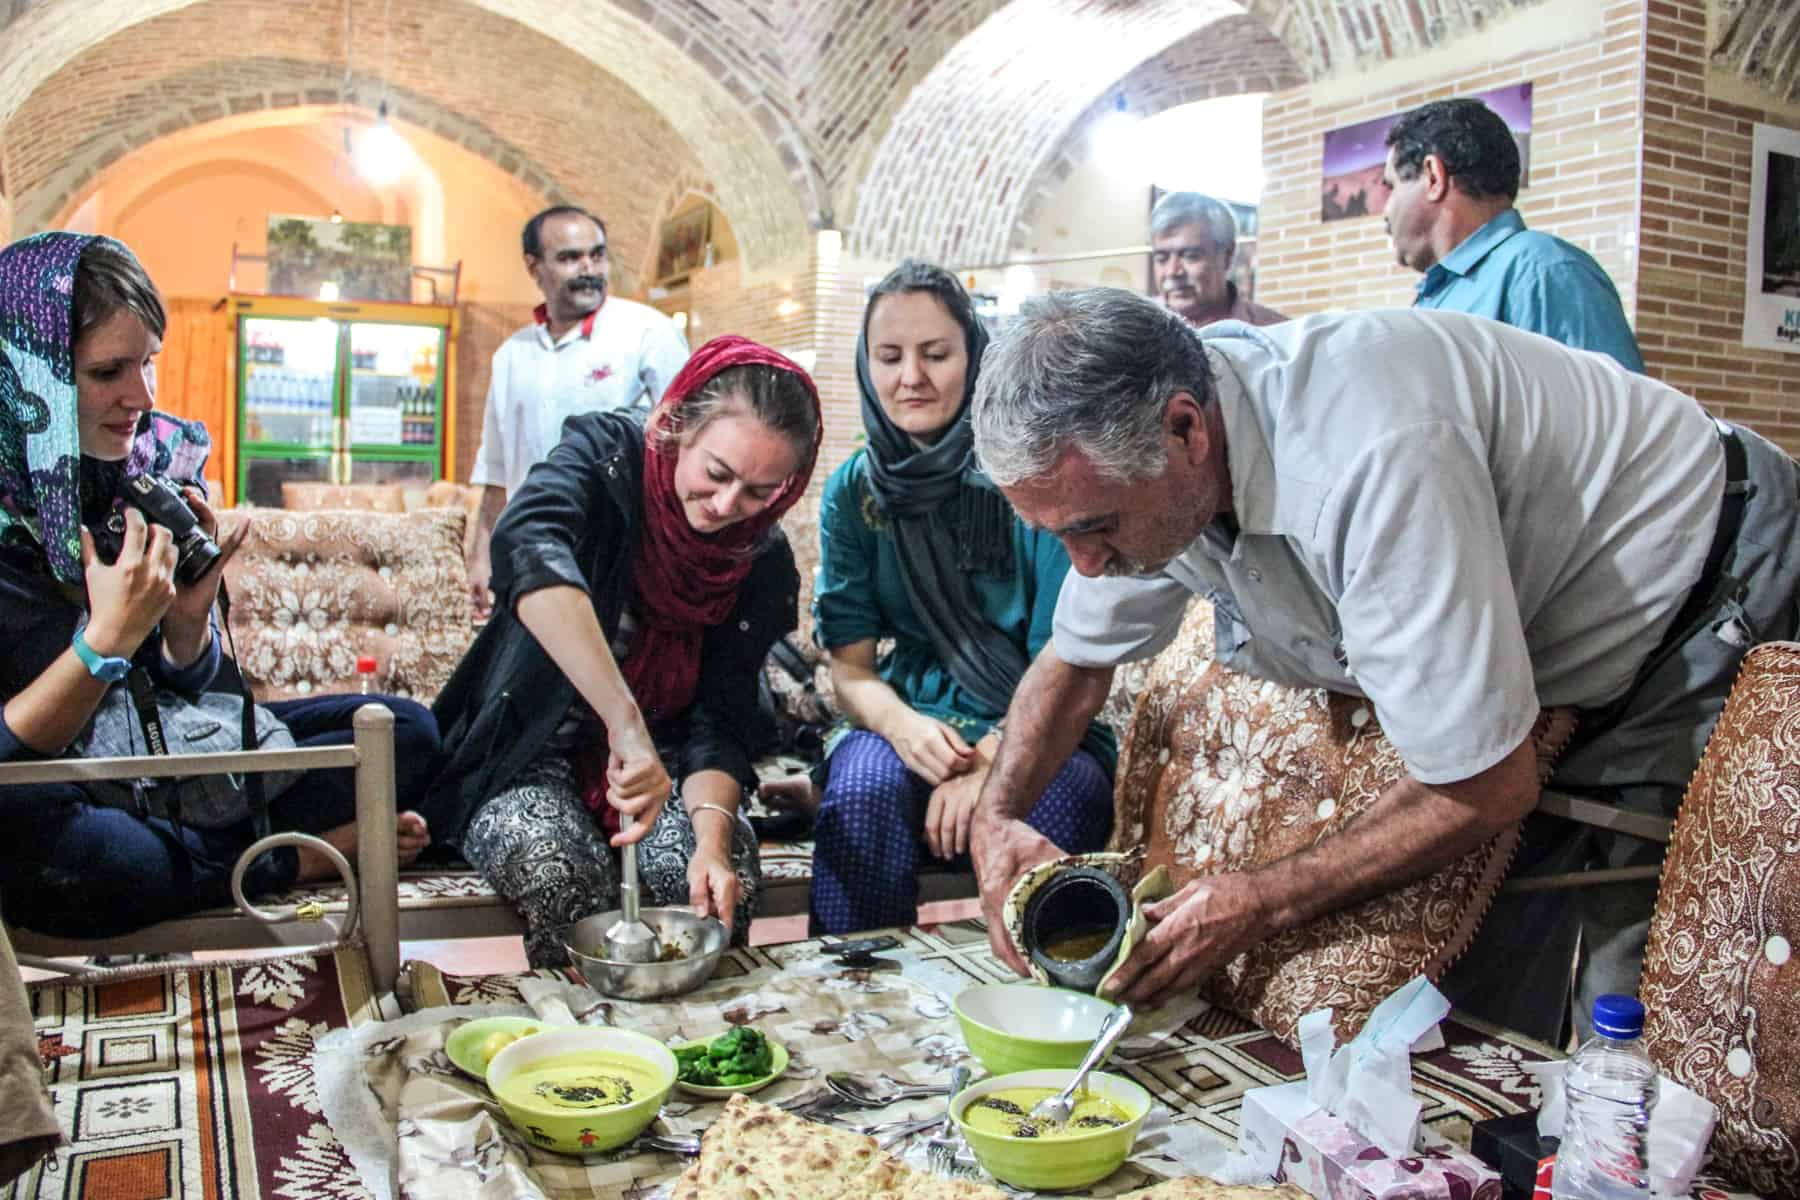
[[869, 838]]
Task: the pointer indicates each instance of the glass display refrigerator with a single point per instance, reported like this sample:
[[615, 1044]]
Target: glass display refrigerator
[[339, 393]]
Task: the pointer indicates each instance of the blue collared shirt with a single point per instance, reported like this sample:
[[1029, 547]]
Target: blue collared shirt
[[1534, 281]]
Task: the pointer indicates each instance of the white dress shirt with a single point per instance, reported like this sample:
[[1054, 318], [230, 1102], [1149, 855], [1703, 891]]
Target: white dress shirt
[[622, 357]]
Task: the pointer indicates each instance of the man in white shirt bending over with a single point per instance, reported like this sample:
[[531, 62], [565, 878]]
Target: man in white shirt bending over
[[586, 352]]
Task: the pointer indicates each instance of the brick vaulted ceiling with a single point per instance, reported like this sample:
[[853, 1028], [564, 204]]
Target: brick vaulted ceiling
[[918, 126]]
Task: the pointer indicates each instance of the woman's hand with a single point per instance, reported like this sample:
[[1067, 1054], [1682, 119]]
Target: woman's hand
[[189, 617], [951, 810], [950, 813], [127, 599], [636, 783], [931, 749], [713, 887]]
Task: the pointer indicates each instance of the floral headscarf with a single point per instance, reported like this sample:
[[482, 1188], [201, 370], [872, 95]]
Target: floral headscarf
[[40, 438]]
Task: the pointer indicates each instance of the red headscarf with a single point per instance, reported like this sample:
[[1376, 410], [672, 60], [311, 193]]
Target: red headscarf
[[688, 580], [691, 579]]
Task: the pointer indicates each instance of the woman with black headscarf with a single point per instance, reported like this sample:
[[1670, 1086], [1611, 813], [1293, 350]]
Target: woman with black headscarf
[[915, 544]]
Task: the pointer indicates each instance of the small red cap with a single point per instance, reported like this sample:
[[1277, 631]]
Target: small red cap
[[366, 665]]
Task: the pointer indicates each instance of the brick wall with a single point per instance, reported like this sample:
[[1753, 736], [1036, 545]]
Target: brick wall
[[481, 329], [1696, 201], [1583, 164]]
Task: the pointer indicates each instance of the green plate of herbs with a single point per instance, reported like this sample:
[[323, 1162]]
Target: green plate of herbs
[[740, 1060]]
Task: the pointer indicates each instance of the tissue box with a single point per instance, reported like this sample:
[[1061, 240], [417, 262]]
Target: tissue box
[[1297, 1142]]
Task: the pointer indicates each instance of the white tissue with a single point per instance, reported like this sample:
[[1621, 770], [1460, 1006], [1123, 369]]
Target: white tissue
[[1368, 1081], [1681, 1126]]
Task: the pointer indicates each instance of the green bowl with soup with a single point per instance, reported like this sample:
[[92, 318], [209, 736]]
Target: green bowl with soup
[[581, 1090], [994, 1117], [1024, 1026]]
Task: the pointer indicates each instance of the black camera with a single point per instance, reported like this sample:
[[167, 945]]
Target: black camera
[[161, 504]]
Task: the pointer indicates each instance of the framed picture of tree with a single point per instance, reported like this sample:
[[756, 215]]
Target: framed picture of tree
[[343, 260]]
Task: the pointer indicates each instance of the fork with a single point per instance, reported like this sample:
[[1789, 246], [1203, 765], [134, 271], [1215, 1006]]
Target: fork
[[941, 1147]]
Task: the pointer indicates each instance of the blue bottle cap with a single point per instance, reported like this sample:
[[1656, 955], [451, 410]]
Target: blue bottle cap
[[1618, 1016]]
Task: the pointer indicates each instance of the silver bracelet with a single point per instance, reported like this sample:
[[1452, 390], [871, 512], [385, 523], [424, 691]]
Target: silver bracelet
[[718, 808]]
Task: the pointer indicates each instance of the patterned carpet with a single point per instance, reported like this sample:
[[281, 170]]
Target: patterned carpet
[[196, 1084]]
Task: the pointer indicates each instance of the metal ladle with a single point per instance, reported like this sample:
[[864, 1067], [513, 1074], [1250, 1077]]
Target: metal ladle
[[631, 940]]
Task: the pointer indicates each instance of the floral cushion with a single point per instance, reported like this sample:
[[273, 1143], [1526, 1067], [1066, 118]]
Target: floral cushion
[[1720, 982], [1220, 772], [312, 591]]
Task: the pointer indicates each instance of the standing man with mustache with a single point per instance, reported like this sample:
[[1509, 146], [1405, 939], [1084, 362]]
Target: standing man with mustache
[[1193, 240], [585, 352], [1454, 170]]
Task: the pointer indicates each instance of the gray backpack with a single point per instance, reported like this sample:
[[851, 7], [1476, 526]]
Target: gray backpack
[[209, 723]]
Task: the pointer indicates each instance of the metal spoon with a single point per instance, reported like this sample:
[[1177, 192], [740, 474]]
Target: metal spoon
[[860, 1091], [630, 940], [1054, 1110]]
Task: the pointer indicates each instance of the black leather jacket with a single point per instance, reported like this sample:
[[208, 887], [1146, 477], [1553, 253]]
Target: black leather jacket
[[574, 522]]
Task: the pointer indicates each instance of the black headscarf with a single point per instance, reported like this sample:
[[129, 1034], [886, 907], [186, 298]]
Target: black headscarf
[[949, 521]]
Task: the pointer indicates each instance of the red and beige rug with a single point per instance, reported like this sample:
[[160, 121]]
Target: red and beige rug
[[196, 1084]]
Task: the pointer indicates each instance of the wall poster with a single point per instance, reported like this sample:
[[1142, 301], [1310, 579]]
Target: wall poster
[[1356, 154], [1772, 256]]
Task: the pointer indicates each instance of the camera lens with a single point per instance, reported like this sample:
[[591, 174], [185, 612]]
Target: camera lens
[[195, 553]]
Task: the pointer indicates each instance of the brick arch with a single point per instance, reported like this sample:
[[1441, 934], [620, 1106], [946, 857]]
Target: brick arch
[[279, 85], [986, 120], [649, 109], [1233, 56]]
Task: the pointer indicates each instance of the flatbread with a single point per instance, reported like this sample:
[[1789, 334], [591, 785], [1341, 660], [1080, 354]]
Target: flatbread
[[757, 1152]]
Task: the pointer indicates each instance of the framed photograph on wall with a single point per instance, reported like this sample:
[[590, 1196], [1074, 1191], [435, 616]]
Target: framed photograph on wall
[[1772, 256], [360, 260], [682, 248], [1356, 154]]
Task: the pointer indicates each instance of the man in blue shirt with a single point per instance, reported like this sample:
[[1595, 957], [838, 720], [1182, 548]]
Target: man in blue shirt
[[1453, 168]]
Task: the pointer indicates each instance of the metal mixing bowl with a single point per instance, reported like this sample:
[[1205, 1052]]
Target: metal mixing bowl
[[701, 938]]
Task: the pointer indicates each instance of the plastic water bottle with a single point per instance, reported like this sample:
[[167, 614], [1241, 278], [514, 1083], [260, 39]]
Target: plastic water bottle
[[1611, 1087], [365, 674]]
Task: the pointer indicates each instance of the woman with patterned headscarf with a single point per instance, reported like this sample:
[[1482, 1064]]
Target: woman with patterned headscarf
[[915, 544], [640, 579], [89, 598]]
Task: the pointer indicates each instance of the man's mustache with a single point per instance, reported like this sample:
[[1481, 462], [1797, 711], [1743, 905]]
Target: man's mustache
[[597, 282]]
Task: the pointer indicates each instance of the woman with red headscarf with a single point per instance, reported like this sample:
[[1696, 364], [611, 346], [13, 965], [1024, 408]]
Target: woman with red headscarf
[[640, 579]]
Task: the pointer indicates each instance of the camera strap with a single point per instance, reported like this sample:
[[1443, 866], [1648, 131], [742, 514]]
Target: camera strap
[[143, 702], [253, 782]]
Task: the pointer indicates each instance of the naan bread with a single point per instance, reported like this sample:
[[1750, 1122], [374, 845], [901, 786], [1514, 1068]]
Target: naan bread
[[756, 1152]]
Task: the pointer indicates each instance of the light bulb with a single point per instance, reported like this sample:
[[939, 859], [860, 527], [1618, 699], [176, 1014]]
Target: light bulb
[[382, 155]]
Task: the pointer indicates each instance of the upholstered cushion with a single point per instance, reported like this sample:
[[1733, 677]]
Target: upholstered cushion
[[312, 497], [311, 591], [1221, 772], [1720, 982]]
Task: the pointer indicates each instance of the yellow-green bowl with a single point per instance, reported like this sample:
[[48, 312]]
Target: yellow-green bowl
[[1027, 1026], [589, 1132], [1055, 1164]]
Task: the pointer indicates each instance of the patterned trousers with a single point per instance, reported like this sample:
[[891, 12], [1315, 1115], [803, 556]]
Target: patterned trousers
[[539, 847]]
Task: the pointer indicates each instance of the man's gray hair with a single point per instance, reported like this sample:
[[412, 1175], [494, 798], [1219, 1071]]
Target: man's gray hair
[[1090, 371], [1177, 209]]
